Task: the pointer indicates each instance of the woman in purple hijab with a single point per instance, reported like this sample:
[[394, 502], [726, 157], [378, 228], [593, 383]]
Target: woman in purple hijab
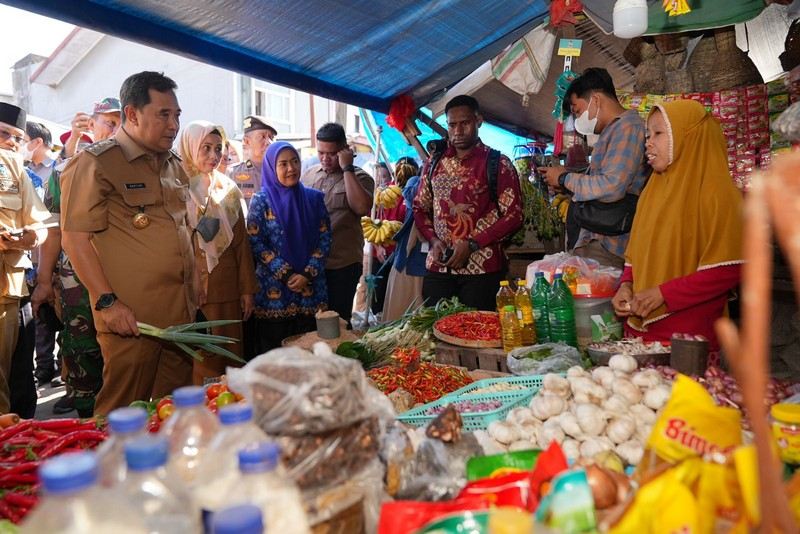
[[290, 234]]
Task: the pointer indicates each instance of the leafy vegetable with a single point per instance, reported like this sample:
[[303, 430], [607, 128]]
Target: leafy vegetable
[[189, 338]]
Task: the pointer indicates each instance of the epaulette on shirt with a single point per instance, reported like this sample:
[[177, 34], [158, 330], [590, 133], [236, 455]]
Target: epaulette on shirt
[[175, 154], [95, 149]]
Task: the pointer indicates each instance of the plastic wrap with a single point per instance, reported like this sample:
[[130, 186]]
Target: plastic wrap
[[529, 360], [296, 393]]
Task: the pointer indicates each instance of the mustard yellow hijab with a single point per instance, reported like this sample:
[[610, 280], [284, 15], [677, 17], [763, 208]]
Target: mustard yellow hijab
[[223, 199], [689, 216]]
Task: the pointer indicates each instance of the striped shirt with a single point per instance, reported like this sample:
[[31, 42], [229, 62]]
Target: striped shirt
[[618, 167]]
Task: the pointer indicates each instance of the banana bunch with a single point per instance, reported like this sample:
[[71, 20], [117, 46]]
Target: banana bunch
[[388, 197], [379, 232], [561, 204]]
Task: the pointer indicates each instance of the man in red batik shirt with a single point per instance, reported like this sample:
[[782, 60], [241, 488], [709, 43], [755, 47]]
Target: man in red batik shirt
[[462, 218]]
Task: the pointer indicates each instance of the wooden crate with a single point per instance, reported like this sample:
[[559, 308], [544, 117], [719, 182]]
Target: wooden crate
[[486, 359]]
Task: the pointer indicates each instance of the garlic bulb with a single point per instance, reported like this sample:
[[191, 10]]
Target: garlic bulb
[[557, 385], [546, 406], [592, 447], [521, 445], [591, 419], [616, 404], [643, 414], [576, 370], [503, 432], [521, 415], [623, 363], [603, 376], [631, 451], [529, 431], [551, 431], [656, 397], [649, 378], [620, 429], [626, 389], [643, 432], [571, 449], [488, 443], [569, 424]]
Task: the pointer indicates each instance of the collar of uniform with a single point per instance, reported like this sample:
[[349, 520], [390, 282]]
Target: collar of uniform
[[132, 150], [478, 148]]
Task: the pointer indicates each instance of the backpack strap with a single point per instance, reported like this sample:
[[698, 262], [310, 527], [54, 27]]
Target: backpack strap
[[436, 157]]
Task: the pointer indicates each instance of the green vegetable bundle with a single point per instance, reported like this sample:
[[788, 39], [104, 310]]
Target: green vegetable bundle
[[189, 338]]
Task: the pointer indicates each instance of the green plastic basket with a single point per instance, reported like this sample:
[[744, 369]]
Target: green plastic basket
[[530, 385], [472, 420]]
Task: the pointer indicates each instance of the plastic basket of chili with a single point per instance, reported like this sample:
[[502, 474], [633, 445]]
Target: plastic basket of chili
[[477, 411], [510, 385]]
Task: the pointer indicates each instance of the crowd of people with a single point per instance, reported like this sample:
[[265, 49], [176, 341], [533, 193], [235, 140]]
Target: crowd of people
[[139, 219]]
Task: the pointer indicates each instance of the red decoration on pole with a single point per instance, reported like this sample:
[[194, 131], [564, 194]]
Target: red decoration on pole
[[401, 109], [562, 12]]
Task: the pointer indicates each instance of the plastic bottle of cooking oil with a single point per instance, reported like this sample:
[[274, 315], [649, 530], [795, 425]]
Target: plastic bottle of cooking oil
[[512, 335], [522, 301], [505, 297]]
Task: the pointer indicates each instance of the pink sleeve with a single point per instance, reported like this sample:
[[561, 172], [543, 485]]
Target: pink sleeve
[[702, 286], [627, 274]]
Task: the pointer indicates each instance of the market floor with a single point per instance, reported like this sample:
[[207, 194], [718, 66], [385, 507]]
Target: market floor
[[48, 396]]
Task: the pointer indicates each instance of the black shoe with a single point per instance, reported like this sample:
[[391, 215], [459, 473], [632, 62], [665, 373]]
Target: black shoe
[[56, 382], [64, 405], [43, 376]]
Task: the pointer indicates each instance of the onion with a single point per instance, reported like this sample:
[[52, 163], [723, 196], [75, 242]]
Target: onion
[[604, 488]]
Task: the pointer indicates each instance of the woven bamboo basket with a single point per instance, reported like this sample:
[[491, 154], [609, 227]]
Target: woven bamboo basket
[[732, 67], [677, 78], [701, 64], [650, 72]]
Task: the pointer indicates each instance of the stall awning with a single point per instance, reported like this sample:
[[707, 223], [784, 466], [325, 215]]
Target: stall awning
[[364, 52]]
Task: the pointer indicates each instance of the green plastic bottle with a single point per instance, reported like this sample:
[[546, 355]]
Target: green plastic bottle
[[541, 317], [561, 310]]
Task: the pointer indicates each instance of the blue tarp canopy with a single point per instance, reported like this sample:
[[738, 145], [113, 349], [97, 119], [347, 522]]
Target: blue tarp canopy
[[363, 52]]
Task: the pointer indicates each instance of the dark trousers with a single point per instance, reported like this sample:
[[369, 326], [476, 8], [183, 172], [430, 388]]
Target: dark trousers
[[45, 345], [473, 290], [342, 285], [269, 333], [380, 287], [20, 381]]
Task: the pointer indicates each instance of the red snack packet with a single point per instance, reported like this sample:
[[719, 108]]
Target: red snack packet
[[406, 517]]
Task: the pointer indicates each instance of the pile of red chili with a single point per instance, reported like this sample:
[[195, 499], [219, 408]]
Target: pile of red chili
[[472, 326], [427, 383], [24, 445]]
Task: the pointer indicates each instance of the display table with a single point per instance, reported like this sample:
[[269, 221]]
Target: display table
[[485, 359]]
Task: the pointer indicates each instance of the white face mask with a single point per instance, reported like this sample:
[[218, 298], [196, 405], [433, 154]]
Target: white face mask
[[26, 153], [583, 124]]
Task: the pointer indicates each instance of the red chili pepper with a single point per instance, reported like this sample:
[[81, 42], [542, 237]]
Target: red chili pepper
[[20, 468], [18, 479], [68, 439], [8, 512], [15, 429], [20, 499]]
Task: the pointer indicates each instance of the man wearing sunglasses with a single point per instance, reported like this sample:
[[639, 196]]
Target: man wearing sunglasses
[[22, 217]]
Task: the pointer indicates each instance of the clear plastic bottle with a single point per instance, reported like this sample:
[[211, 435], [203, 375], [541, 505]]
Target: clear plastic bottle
[[75, 504], [126, 424], [505, 297], [541, 317], [241, 519], [525, 314], [512, 335], [561, 308], [189, 431], [164, 503]]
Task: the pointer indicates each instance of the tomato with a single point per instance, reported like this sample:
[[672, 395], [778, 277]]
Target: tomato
[[212, 406], [213, 391], [225, 398], [163, 402], [153, 424], [166, 410]]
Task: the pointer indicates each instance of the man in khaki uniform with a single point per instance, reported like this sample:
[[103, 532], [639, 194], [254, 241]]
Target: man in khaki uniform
[[258, 135], [348, 197], [123, 222], [22, 216]]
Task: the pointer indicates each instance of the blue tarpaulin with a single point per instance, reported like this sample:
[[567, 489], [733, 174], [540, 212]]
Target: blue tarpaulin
[[363, 52]]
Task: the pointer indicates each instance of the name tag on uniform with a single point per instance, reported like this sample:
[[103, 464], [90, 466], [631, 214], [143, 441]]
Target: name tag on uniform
[[247, 186], [135, 186]]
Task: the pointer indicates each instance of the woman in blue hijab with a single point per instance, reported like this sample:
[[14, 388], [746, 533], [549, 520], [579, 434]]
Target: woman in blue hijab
[[290, 234]]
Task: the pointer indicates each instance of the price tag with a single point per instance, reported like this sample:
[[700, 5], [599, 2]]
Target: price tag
[[570, 47]]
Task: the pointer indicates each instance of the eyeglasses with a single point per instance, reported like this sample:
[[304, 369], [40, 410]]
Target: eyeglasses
[[108, 124], [5, 134]]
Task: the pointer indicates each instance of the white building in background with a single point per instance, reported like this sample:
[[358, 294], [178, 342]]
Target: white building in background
[[89, 66]]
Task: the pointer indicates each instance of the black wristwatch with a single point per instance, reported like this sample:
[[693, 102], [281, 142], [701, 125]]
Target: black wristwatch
[[348, 168], [562, 178], [473, 245], [105, 301]]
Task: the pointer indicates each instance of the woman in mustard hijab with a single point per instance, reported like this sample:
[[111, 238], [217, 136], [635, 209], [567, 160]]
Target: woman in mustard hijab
[[223, 257], [685, 252]]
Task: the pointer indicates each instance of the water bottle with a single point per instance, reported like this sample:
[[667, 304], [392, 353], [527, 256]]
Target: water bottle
[[164, 503], [242, 519], [189, 431], [525, 314], [74, 502], [561, 310], [505, 297], [125, 424], [541, 317], [512, 335]]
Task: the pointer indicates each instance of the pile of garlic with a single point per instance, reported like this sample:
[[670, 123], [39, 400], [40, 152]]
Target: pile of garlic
[[588, 412]]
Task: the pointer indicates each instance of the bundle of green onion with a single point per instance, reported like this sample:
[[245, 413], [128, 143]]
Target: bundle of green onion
[[190, 340]]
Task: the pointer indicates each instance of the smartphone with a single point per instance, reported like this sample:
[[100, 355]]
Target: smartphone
[[448, 253]]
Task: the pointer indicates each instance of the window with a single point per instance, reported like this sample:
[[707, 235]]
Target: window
[[274, 103]]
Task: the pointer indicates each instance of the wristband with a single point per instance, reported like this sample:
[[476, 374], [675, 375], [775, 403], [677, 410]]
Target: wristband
[[562, 178], [348, 168]]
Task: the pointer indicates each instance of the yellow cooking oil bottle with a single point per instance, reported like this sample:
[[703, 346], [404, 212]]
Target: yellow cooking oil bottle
[[505, 297], [512, 335], [522, 301]]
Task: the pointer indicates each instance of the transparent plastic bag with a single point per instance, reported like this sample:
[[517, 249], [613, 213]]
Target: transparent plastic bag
[[584, 276], [542, 359]]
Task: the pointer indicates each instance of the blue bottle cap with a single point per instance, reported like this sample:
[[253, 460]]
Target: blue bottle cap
[[235, 413], [188, 396], [69, 472], [259, 457], [242, 519], [126, 420], [558, 276], [146, 452], [539, 274]]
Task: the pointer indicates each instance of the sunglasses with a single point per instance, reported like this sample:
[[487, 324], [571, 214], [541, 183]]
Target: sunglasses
[[5, 134]]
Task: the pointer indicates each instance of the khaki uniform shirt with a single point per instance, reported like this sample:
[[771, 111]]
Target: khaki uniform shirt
[[20, 208], [149, 269], [348, 239], [247, 176]]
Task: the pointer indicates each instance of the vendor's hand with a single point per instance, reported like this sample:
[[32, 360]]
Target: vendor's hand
[[380, 253], [345, 157], [202, 298], [461, 253], [437, 251], [120, 320], [622, 300], [80, 123], [10, 241], [297, 282], [647, 301], [43, 293], [551, 175], [248, 306]]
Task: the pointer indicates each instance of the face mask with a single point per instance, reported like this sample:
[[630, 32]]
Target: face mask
[[26, 153], [583, 124]]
